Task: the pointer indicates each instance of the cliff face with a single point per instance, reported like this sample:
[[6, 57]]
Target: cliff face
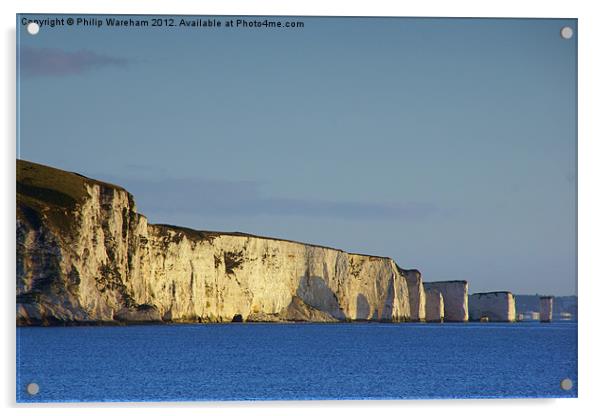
[[495, 306], [455, 298], [417, 295], [85, 255], [435, 307]]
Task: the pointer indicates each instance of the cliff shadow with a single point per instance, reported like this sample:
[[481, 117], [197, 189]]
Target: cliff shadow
[[387, 309], [383, 312], [362, 308], [315, 292]]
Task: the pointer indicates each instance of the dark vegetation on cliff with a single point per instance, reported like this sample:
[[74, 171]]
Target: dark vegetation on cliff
[[54, 193]]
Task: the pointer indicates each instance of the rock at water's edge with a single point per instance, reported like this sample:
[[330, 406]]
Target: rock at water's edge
[[546, 306], [455, 298], [494, 306], [417, 295], [435, 307]]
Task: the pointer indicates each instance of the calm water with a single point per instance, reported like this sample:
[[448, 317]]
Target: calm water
[[296, 361]]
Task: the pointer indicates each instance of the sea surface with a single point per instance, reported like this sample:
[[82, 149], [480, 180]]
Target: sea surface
[[296, 361]]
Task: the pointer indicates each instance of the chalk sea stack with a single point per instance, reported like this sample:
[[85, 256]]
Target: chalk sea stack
[[546, 307], [435, 307], [417, 295], [455, 298], [492, 307]]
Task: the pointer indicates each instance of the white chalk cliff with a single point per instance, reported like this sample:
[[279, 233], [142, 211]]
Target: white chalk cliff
[[455, 298], [417, 295], [493, 306], [435, 307], [85, 255]]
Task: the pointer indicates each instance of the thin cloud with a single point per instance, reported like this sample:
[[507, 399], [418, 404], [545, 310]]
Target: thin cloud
[[57, 62], [219, 198]]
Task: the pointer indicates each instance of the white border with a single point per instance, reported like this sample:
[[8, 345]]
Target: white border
[[590, 206]]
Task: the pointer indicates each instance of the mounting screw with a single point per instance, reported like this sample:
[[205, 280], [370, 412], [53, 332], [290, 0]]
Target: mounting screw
[[566, 32], [33, 389], [566, 384], [33, 28]]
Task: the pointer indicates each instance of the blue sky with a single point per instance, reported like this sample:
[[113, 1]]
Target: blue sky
[[447, 144]]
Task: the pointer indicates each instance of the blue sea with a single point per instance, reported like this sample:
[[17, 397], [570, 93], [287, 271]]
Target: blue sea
[[296, 361]]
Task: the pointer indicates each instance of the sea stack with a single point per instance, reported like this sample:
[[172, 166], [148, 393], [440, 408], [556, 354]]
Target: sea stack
[[435, 307], [546, 304], [416, 294], [492, 307], [455, 298]]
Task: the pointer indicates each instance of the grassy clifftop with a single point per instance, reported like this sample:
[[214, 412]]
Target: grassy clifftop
[[53, 193]]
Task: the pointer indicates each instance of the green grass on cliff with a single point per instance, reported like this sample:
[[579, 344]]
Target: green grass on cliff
[[53, 193]]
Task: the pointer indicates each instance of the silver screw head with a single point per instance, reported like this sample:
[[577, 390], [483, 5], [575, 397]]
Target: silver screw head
[[566, 384], [566, 32], [33, 28], [33, 389]]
